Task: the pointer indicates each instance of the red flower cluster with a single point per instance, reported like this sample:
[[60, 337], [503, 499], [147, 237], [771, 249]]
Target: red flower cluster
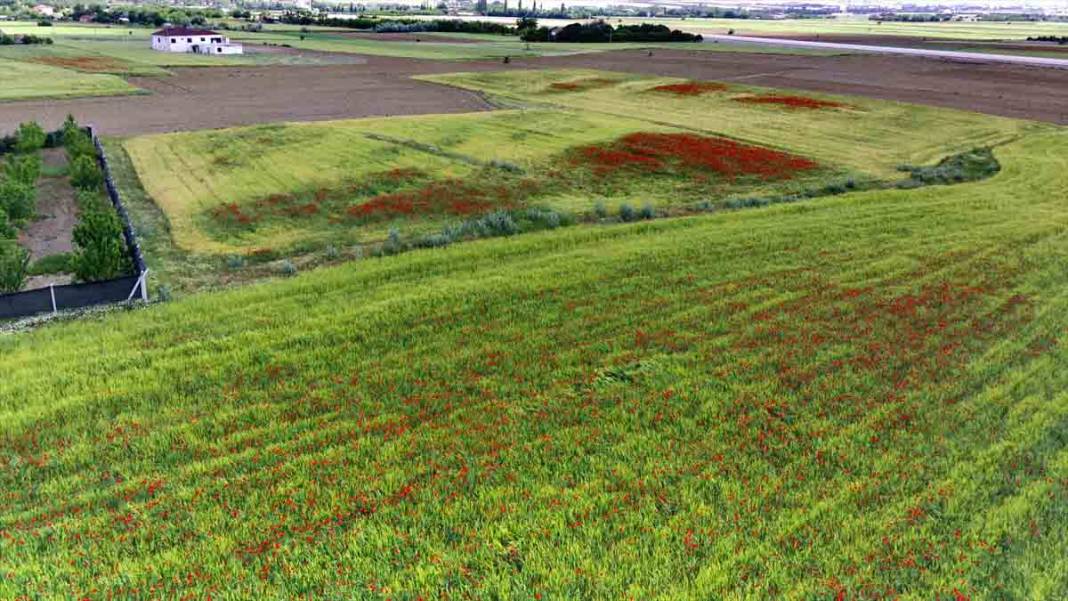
[[453, 197], [794, 102], [580, 85], [655, 151], [690, 88]]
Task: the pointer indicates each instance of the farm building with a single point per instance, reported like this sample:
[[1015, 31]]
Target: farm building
[[200, 41]]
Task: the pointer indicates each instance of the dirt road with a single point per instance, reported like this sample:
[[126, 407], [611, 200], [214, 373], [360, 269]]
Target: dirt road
[[981, 57]]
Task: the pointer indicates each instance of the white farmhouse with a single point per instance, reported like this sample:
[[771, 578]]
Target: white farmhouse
[[199, 41]]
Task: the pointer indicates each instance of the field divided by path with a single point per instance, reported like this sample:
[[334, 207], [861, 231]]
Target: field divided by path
[[859, 397]]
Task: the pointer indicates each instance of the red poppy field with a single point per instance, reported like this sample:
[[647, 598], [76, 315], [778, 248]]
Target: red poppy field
[[693, 164], [861, 398], [690, 88], [792, 102]]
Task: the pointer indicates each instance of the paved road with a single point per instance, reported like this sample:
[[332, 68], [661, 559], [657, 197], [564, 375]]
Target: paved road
[[1035, 61]]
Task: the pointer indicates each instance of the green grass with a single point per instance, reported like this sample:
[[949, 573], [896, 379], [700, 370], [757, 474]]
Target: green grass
[[23, 81], [193, 176], [862, 394]]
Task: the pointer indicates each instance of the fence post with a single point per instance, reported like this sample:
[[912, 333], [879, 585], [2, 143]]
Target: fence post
[[52, 291]]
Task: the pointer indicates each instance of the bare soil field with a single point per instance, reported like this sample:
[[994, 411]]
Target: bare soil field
[[381, 86], [1007, 90], [221, 96]]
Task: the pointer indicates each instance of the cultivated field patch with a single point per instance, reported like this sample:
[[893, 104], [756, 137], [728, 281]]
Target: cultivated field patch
[[846, 138], [24, 80], [260, 188]]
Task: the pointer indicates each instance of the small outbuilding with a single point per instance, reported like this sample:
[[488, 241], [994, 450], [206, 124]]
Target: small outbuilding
[[199, 41]]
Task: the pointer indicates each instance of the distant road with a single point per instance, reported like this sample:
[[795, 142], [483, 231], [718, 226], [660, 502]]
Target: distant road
[[1036, 61]]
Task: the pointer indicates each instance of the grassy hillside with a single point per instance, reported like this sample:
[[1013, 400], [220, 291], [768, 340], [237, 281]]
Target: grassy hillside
[[858, 397]]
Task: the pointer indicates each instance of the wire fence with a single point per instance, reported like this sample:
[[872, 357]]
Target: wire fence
[[56, 298]]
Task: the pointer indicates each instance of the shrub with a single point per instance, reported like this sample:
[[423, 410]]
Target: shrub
[[6, 229], [287, 268], [18, 200], [25, 168], [101, 250], [77, 142], [626, 212], [90, 199], [646, 212], [30, 137], [14, 264], [600, 210], [235, 262], [393, 243], [85, 173]]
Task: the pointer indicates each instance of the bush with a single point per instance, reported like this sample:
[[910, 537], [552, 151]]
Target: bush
[[14, 264], [78, 142], [29, 137], [626, 212], [646, 212], [25, 168], [6, 229], [235, 262], [85, 173], [17, 199], [100, 249], [287, 268]]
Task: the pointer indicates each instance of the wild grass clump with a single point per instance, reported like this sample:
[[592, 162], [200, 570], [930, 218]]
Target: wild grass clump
[[970, 166]]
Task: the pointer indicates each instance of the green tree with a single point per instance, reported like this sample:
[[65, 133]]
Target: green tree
[[29, 137], [100, 249], [17, 199], [85, 173], [25, 168], [14, 264]]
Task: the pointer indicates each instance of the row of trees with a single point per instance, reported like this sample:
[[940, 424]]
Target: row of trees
[[154, 16], [18, 202], [601, 32], [99, 247], [396, 24]]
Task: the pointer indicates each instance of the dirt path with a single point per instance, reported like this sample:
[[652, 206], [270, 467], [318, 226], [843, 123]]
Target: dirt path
[[940, 53], [57, 211], [382, 86]]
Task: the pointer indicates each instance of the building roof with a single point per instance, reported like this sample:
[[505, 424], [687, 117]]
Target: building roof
[[180, 31]]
